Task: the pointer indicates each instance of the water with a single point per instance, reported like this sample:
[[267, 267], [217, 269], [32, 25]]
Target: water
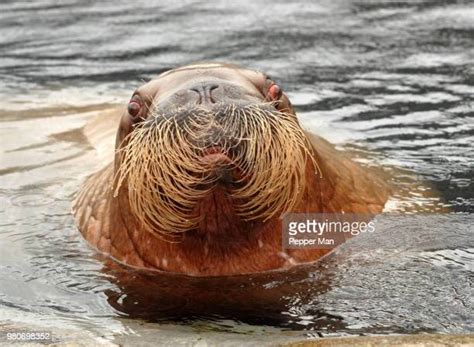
[[389, 81]]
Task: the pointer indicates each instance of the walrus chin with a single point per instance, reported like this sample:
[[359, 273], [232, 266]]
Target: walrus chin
[[251, 158]]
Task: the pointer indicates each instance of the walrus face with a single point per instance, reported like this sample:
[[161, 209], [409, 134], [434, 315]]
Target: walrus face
[[202, 128]]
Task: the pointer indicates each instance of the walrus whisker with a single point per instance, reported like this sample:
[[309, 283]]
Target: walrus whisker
[[162, 164]]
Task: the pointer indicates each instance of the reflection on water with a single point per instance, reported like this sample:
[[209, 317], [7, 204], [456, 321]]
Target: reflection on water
[[391, 82], [366, 286]]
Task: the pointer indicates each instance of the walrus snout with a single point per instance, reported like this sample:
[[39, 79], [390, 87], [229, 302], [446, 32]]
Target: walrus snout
[[205, 93]]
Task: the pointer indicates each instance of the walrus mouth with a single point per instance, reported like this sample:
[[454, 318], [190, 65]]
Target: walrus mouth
[[225, 169], [216, 154], [171, 161], [221, 161]]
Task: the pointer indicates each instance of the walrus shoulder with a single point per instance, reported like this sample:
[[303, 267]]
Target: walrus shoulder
[[354, 188]]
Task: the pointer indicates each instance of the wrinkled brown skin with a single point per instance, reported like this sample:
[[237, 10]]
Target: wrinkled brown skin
[[223, 244]]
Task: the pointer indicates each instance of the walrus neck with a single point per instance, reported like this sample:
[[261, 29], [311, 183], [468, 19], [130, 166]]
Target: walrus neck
[[218, 215], [219, 223]]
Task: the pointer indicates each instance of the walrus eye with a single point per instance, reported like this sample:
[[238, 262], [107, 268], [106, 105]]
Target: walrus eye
[[134, 106], [274, 92]]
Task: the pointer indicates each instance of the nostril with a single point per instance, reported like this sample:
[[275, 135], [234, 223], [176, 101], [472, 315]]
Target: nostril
[[205, 93], [212, 88], [199, 93]]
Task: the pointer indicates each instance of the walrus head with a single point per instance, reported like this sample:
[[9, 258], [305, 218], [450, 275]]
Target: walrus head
[[209, 137]]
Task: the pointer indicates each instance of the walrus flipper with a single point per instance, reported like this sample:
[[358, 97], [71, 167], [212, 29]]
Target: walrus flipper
[[91, 207]]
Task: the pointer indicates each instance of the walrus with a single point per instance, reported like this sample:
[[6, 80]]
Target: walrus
[[208, 157]]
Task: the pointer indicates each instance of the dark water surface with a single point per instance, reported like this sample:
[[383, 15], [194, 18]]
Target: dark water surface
[[390, 80]]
